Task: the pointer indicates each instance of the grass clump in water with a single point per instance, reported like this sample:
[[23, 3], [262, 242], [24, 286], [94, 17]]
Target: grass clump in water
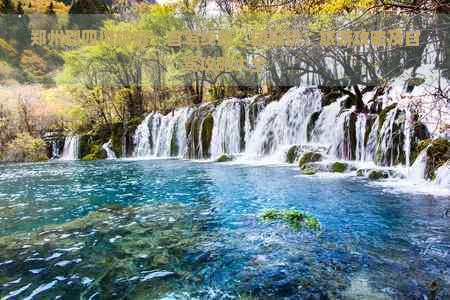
[[295, 218], [270, 214]]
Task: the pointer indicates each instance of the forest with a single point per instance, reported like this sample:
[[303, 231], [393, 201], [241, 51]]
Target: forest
[[102, 91]]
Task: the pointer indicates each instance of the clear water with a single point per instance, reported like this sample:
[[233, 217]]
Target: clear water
[[180, 230]]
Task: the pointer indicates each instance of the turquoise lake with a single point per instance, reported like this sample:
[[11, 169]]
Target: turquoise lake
[[174, 229]]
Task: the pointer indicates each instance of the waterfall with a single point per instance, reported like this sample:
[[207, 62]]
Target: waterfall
[[417, 171], [228, 130], [162, 136], [325, 130], [146, 135], [386, 144], [360, 126], [55, 150], [284, 122], [341, 143], [443, 175], [407, 134], [109, 152], [71, 148], [371, 146]]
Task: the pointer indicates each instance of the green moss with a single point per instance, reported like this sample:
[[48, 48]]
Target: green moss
[[292, 154], [223, 158], [338, 167], [208, 124], [309, 157], [360, 172], [377, 174], [438, 153]]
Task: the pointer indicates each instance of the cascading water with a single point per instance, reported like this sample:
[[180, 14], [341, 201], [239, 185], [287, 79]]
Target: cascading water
[[284, 122], [228, 130], [342, 144], [71, 148], [389, 147], [443, 175], [360, 126], [407, 134], [372, 141], [325, 131], [162, 136], [109, 152], [146, 135], [417, 170]]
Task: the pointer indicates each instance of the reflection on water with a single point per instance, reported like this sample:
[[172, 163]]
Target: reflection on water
[[179, 230]]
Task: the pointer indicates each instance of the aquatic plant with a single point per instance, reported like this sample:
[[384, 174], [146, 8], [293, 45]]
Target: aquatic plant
[[295, 218], [271, 214]]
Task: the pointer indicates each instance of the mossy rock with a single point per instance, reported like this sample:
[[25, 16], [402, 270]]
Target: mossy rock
[[438, 153], [361, 172], [223, 158], [309, 157], [378, 174], [292, 154], [339, 167], [308, 170]]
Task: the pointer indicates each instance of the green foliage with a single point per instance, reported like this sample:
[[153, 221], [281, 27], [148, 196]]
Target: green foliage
[[339, 167], [295, 218], [96, 152], [25, 148]]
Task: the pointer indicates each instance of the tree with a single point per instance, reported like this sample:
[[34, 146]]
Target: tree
[[6, 7], [19, 9], [50, 10]]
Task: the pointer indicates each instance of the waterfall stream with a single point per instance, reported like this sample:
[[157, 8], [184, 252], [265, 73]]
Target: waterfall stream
[[228, 127], [253, 129], [360, 151], [283, 122], [109, 152], [71, 148]]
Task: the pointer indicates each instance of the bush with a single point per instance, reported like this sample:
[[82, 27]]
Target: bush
[[25, 148]]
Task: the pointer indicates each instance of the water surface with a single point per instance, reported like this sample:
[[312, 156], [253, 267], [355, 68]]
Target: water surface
[[180, 230]]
